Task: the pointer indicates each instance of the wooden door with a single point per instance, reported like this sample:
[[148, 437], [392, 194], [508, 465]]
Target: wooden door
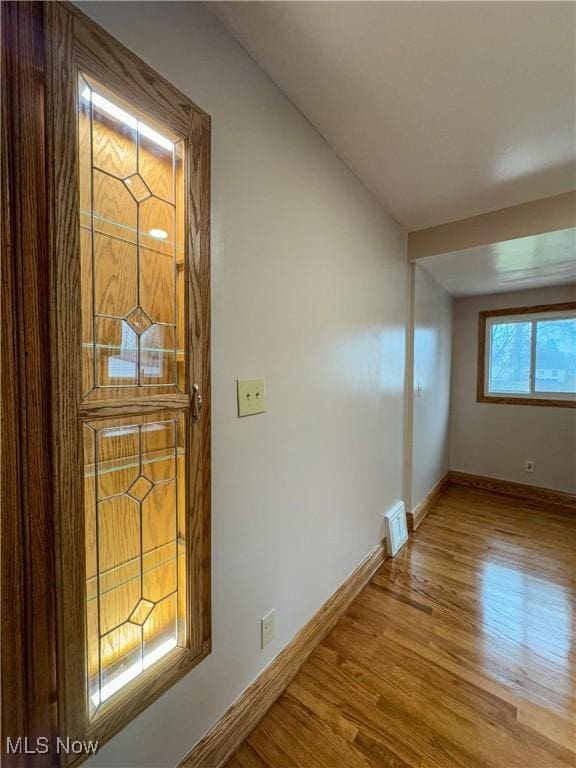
[[126, 300]]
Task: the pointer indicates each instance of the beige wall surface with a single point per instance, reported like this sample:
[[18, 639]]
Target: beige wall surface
[[308, 291], [432, 361], [549, 214], [495, 439]]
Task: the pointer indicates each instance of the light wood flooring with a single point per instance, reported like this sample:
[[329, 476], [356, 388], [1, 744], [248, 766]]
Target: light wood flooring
[[460, 653]]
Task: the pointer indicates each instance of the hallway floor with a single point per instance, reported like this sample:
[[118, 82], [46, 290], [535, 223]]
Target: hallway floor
[[460, 653]]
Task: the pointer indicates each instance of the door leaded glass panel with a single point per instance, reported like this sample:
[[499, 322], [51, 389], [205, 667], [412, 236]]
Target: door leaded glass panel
[[135, 547], [132, 247], [132, 280]]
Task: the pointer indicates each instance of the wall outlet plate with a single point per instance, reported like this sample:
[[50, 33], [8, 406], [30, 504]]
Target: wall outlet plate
[[251, 396], [530, 465], [267, 628]]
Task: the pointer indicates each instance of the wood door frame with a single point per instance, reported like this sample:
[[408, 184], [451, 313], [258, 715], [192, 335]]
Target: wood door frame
[[43, 688], [28, 593]]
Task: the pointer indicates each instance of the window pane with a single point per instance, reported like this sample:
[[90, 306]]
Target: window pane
[[135, 547], [556, 355], [510, 357], [132, 272]]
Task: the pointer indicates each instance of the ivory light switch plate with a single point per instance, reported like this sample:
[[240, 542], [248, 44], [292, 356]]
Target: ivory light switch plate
[[251, 397]]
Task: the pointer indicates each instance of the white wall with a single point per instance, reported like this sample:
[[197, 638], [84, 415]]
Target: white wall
[[309, 292], [432, 362], [493, 439]]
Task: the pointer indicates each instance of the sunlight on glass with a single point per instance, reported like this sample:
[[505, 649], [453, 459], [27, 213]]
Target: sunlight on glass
[[132, 208], [510, 357], [556, 355]]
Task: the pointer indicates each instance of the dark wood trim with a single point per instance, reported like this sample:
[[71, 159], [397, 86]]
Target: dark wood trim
[[13, 711], [481, 361], [42, 612], [243, 716], [417, 515], [562, 306], [74, 43], [65, 301], [481, 396], [28, 591], [510, 400], [94, 48], [519, 490], [200, 159], [105, 409]]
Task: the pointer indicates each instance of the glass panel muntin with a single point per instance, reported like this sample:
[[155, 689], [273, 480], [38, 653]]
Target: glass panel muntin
[[132, 213], [135, 547], [132, 247]]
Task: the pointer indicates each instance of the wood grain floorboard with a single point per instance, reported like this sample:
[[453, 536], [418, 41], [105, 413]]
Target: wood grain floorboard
[[460, 652]]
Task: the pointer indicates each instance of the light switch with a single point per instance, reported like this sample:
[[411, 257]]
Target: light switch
[[251, 397]]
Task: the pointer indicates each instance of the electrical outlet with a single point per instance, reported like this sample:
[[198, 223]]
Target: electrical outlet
[[530, 465], [267, 628], [251, 396]]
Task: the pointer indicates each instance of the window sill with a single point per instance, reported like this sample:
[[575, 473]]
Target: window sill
[[512, 400]]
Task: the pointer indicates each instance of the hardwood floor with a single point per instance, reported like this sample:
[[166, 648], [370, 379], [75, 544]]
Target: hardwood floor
[[459, 654]]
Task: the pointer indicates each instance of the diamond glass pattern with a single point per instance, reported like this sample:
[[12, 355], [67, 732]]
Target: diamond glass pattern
[[135, 546], [140, 488], [138, 320], [137, 187], [131, 180]]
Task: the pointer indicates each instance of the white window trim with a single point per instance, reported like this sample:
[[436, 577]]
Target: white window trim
[[532, 317]]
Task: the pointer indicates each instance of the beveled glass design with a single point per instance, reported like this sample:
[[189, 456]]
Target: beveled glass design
[[132, 214], [135, 547], [138, 320], [137, 187]]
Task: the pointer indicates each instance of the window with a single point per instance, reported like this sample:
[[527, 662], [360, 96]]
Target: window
[[528, 355]]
